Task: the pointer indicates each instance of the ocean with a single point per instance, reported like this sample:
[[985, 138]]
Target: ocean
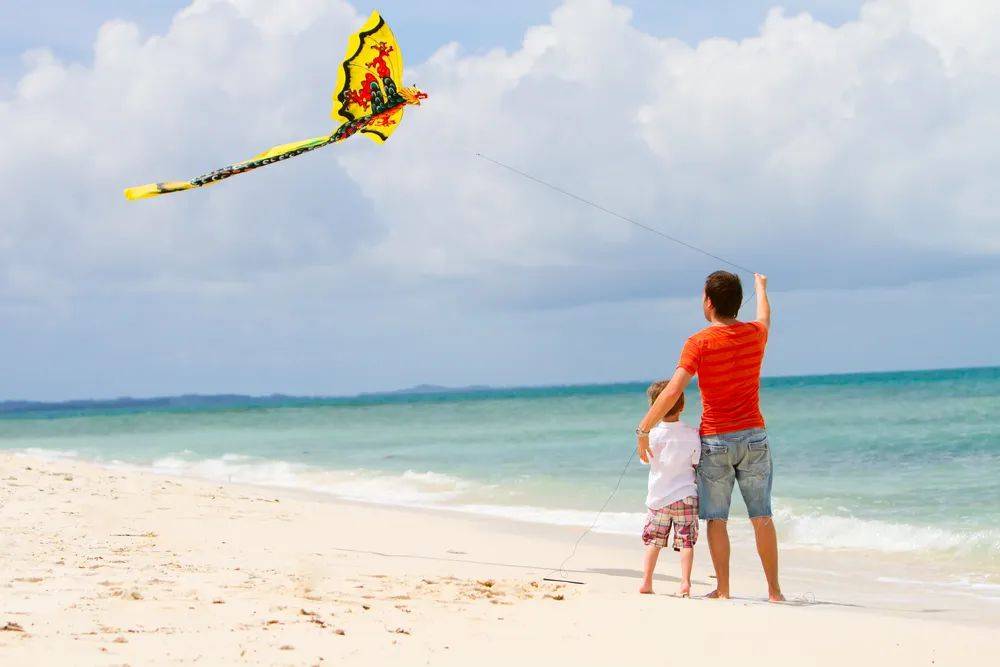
[[901, 464]]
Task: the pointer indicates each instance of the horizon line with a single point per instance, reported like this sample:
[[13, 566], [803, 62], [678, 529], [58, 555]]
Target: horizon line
[[430, 388]]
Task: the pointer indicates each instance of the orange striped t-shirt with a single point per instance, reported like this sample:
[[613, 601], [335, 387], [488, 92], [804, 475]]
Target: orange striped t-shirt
[[727, 361]]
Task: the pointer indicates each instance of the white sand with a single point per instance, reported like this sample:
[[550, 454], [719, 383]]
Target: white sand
[[110, 567]]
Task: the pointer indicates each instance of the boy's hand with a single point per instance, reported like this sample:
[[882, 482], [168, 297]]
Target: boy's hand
[[645, 453], [760, 281]]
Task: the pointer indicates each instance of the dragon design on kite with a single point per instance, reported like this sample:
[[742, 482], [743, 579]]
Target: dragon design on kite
[[369, 99]]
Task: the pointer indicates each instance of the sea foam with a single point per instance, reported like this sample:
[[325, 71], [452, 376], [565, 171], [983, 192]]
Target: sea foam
[[410, 488], [826, 531], [434, 490]]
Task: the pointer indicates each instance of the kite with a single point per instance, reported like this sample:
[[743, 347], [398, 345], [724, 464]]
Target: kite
[[369, 99]]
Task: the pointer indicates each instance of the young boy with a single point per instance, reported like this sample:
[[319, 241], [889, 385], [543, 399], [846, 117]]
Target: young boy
[[673, 491]]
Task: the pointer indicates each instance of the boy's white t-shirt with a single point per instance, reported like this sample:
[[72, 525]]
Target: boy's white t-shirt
[[676, 450]]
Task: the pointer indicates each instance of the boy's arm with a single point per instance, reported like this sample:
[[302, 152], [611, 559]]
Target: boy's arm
[[663, 403], [763, 305]]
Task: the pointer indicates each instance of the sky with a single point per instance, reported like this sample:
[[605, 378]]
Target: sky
[[846, 149]]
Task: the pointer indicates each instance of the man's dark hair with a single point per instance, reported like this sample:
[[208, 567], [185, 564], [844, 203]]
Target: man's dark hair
[[725, 292]]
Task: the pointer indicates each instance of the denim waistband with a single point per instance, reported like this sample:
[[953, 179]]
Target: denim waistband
[[735, 437]]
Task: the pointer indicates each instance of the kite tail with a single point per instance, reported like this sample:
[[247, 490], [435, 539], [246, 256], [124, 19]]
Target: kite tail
[[154, 189], [271, 155]]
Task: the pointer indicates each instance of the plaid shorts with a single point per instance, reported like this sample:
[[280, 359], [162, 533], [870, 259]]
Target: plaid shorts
[[683, 515]]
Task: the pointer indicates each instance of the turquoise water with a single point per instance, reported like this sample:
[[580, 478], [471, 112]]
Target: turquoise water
[[894, 462]]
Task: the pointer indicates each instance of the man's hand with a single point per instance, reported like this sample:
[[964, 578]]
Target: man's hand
[[763, 305], [645, 453]]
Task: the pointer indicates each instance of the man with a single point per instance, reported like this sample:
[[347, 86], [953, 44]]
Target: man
[[726, 356]]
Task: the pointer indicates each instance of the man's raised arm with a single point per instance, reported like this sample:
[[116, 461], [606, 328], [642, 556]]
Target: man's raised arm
[[763, 305]]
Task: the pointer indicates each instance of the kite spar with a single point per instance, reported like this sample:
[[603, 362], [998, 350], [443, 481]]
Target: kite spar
[[369, 98]]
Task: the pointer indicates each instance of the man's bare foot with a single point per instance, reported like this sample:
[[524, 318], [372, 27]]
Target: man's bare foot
[[646, 589], [684, 591], [717, 595], [775, 597]]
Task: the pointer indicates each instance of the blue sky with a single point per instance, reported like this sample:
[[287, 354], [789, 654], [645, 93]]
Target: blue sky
[[68, 28], [845, 151]]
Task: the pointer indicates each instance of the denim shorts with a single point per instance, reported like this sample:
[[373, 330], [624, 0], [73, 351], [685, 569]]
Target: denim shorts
[[740, 456]]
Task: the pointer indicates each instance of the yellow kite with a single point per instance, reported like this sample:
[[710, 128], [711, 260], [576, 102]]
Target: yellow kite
[[369, 98]]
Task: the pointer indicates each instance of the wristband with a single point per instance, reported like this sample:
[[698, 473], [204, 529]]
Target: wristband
[[639, 432]]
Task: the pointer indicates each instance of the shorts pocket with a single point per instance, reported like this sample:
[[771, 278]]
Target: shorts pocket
[[715, 466], [713, 450], [757, 462]]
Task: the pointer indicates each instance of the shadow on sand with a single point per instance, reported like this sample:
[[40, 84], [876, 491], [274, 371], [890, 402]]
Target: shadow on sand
[[636, 574]]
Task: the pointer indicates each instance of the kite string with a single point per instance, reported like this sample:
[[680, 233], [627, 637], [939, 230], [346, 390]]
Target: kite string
[[597, 516], [653, 230], [624, 218]]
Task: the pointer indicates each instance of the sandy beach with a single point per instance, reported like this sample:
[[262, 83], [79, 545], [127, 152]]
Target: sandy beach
[[113, 567]]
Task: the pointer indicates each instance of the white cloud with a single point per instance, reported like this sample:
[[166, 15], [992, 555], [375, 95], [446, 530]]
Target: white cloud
[[825, 156], [808, 150], [874, 137], [223, 83]]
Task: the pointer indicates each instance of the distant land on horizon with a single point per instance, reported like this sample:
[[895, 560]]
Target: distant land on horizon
[[433, 389], [223, 401], [228, 400]]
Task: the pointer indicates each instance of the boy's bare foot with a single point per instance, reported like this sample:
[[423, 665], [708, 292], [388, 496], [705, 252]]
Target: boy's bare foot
[[775, 597], [684, 591], [717, 595], [646, 589]]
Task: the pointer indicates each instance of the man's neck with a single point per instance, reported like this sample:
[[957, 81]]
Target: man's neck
[[723, 321]]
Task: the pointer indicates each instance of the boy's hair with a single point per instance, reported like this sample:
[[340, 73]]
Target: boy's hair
[[654, 391], [725, 292]]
